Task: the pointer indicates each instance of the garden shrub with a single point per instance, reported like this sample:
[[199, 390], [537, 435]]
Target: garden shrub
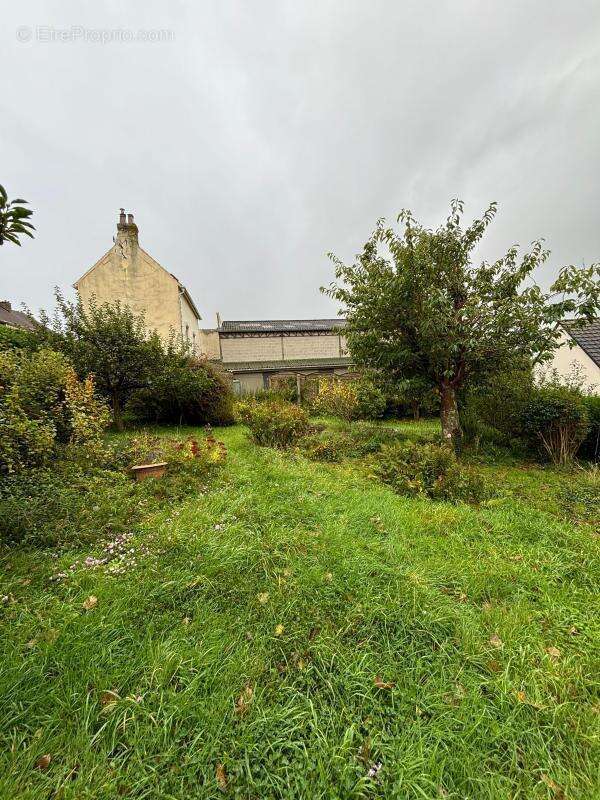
[[590, 447], [493, 413], [17, 338], [370, 400], [336, 398], [186, 391], [556, 420], [430, 470], [46, 411], [276, 424]]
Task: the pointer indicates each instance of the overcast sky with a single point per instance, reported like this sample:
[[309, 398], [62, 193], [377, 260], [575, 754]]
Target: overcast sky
[[257, 136]]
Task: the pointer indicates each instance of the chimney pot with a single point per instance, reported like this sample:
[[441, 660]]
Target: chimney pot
[[130, 219], [5, 304], [122, 217]]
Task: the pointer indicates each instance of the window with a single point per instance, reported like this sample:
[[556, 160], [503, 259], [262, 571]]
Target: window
[[187, 331]]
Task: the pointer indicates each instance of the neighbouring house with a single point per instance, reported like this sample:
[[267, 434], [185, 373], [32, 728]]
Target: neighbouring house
[[256, 352], [15, 319], [579, 354], [129, 274]]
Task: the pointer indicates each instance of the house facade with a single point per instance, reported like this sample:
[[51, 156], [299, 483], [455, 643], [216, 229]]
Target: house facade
[[254, 352], [579, 354], [128, 273]]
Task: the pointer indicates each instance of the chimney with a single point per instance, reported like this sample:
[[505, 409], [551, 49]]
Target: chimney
[[5, 304], [127, 234]]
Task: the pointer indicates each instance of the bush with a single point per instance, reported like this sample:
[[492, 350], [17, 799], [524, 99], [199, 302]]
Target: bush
[[370, 400], [590, 447], [187, 391], [430, 470], [556, 420], [493, 413], [335, 398], [17, 338], [46, 411], [355, 440], [276, 424]]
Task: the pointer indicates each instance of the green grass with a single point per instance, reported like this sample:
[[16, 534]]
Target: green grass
[[414, 638]]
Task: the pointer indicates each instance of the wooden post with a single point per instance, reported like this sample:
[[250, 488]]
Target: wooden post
[[298, 388]]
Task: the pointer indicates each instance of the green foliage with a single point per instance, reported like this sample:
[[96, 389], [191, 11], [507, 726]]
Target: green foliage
[[75, 503], [493, 412], [370, 399], [16, 338], [430, 470], [348, 399], [556, 420], [336, 398], [428, 312], [110, 342], [14, 219], [185, 391], [24, 442], [45, 411], [276, 424], [351, 440], [590, 447]]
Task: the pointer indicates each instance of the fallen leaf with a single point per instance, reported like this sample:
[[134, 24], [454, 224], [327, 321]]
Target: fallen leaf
[[301, 664], [496, 641], [328, 577], [494, 666], [455, 697], [551, 784], [279, 630], [31, 643], [90, 602], [573, 631], [108, 697], [262, 597], [522, 698], [221, 777], [43, 762], [186, 620], [244, 700], [381, 684], [553, 652]]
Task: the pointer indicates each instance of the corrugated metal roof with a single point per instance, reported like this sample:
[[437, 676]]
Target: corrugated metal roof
[[292, 364], [280, 325], [587, 337]]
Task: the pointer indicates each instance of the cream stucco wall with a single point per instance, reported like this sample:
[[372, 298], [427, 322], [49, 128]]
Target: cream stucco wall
[[189, 325], [138, 281], [209, 343], [567, 360]]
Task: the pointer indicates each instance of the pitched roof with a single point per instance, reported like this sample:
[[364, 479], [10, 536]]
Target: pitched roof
[[587, 337], [280, 325], [17, 319], [292, 364]]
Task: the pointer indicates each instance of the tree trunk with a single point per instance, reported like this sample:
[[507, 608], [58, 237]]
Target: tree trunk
[[451, 430], [117, 417], [415, 410]]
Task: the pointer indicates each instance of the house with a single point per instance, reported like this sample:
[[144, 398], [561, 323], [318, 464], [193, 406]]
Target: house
[[253, 352], [579, 353], [14, 319], [128, 273], [257, 351]]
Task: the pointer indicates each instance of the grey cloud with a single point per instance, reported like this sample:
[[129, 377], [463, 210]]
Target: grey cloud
[[266, 134]]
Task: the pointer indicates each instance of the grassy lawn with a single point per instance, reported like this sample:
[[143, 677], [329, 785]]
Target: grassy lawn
[[299, 631]]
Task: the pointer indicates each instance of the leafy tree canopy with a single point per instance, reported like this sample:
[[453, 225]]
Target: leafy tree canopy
[[14, 219], [417, 307]]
